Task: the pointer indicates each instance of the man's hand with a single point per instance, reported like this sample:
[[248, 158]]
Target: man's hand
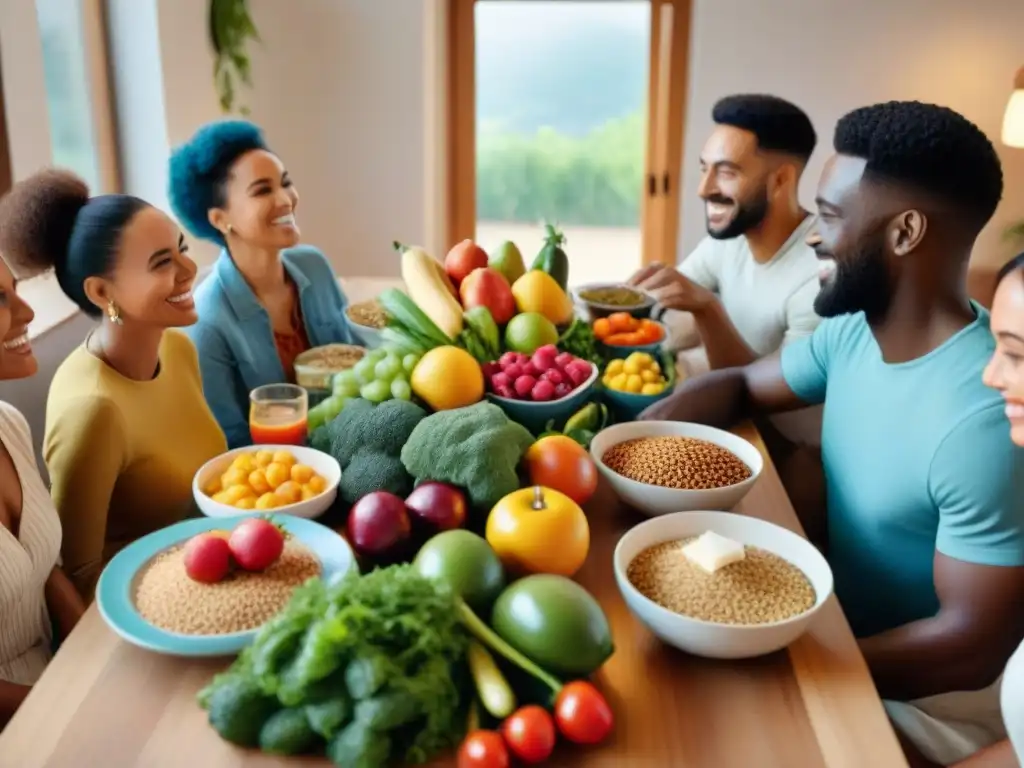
[[671, 289]]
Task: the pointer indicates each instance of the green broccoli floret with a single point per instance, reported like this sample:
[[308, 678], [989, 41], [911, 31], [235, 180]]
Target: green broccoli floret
[[477, 448], [238, 709], [367, 441]]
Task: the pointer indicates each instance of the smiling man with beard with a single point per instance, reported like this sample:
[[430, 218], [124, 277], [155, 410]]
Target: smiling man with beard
[[750, 284], [925, 514]]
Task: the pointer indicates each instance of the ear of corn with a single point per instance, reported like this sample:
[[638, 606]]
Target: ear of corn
[[431, 290]]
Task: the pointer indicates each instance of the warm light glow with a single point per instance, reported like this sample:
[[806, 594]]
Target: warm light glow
[[1013, 122]]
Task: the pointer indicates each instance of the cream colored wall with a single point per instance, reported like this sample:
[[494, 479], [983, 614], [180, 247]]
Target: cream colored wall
[[830, 56]]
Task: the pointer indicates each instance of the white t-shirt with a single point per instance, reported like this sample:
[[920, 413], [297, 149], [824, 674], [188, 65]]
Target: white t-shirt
[[770, 304], [1012, 702]]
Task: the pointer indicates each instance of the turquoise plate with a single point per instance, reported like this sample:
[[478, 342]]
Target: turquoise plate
[[114, 593]]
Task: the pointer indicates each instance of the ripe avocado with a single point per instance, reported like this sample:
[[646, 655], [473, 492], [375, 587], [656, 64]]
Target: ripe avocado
[[556, 623]]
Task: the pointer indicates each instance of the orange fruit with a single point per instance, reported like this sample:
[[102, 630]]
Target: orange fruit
[[559, 462]]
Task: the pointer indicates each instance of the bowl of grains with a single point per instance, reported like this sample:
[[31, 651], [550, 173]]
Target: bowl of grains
[[148, 596], [366, 320], [674, 466], [721, 584]]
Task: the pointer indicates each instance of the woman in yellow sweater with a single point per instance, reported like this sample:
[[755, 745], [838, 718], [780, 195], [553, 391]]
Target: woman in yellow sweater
[[127, 425]]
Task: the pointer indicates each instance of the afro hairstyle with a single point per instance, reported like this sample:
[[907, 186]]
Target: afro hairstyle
[[199, 169], [928, 147], [778, 125]]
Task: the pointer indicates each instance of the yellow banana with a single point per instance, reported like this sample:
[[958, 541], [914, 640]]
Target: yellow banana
[[428, 285]]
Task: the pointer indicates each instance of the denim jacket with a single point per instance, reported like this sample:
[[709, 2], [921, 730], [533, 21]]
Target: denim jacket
[[235, 340]]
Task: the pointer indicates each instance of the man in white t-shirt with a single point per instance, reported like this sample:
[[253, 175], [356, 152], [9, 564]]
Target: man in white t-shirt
[[749, 286]]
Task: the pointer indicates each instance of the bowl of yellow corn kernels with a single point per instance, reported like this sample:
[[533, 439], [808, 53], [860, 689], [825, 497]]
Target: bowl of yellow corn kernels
[[631, 384], [290, 479]]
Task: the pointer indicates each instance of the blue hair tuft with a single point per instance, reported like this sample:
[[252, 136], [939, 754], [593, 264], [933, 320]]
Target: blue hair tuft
[[199, 168]]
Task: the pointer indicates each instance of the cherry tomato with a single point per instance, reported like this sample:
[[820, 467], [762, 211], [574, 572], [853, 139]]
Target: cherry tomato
[[530, 734], [583, 714], [483, 749]]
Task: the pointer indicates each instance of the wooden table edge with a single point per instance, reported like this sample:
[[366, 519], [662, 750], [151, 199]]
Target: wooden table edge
[[811, 654]]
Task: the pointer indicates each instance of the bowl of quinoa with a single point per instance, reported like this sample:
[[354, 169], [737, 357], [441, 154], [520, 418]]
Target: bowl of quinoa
[[752, 607], [146, 597], [660, 467]]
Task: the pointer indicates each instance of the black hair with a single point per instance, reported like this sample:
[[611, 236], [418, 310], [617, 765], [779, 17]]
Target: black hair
[[1013, 265], [779, 125], [199, 171], [929, 147], [48, 221]]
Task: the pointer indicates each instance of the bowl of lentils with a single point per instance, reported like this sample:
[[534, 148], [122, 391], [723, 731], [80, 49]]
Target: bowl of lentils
[[720, 584], [603, 299], [660, 467]]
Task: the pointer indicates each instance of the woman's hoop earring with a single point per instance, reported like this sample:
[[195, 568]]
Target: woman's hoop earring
[[114, 314], [231, 229]]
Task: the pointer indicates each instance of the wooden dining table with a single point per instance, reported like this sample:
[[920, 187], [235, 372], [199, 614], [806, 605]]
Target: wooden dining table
[[104, 703]]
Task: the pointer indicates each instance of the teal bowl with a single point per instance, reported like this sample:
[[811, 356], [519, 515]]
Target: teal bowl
[[622, 351], [627, 406], [536, 416]]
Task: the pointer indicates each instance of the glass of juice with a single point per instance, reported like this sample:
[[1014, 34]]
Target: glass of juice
[[277, 414]]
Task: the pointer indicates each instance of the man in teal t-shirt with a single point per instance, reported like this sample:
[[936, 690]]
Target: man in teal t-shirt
[[925, 512]]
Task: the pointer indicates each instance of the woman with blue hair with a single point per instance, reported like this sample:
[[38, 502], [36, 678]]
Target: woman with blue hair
[[268, 299]]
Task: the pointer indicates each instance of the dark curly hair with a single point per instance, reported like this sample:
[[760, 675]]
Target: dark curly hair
[[48, 221], [778, 125], [199, 170], [1016, 264], [929, 147]]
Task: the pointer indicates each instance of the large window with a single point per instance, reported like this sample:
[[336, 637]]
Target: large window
[[568, 112], [68, 98]]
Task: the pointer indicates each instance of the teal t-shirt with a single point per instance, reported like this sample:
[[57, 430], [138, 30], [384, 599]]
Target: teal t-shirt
[[917, 458]]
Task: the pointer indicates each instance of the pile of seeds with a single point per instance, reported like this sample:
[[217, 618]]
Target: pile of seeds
[[759, 589], [368, 313], [167, 598], [683, 463]]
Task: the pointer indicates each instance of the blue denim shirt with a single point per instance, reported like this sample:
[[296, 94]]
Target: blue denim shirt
[[235, 340]]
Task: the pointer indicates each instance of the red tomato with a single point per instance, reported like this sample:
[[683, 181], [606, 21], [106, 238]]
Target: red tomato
[[559, 462], [583, 714], [483, 749], [207, 558], [530, 734], [256, 543]]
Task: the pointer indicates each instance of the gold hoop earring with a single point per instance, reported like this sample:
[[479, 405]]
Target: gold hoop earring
[[114, 314], [231, 229]]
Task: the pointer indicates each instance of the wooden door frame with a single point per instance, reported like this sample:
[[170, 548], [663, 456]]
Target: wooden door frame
[[660, 200], [6, 172]]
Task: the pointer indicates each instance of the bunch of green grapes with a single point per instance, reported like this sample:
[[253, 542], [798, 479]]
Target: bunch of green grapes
[[381, 375]]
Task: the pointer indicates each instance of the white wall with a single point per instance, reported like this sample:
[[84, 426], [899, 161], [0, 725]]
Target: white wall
[[830, 56], [21, 61], [340, 94]]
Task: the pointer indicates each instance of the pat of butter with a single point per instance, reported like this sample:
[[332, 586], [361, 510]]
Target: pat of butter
[[712, 551]]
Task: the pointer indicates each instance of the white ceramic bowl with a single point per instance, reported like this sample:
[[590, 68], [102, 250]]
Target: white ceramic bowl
[[709, 639], [656, 500], [371, 338], [321, 463]]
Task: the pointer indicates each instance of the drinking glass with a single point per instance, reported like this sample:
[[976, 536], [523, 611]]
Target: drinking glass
[[277, 414]]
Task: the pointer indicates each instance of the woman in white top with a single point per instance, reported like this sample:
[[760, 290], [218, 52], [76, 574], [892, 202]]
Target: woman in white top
[[35, 594], [1005, 372]]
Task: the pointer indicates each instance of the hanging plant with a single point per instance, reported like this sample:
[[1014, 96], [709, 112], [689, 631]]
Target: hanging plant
[[231, 29]]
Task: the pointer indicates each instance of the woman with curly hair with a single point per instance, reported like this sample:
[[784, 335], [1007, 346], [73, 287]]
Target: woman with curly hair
[[268, 298], [126, 422], [36, 596]]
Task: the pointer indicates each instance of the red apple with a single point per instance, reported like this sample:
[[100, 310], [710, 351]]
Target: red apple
[[207, 558], [462, 259], [438, 506], [486, 287], [379, 525]]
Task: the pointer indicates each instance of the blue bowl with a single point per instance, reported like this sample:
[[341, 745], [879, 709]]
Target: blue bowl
[[622, 351], [627, 406], [535, 416]]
